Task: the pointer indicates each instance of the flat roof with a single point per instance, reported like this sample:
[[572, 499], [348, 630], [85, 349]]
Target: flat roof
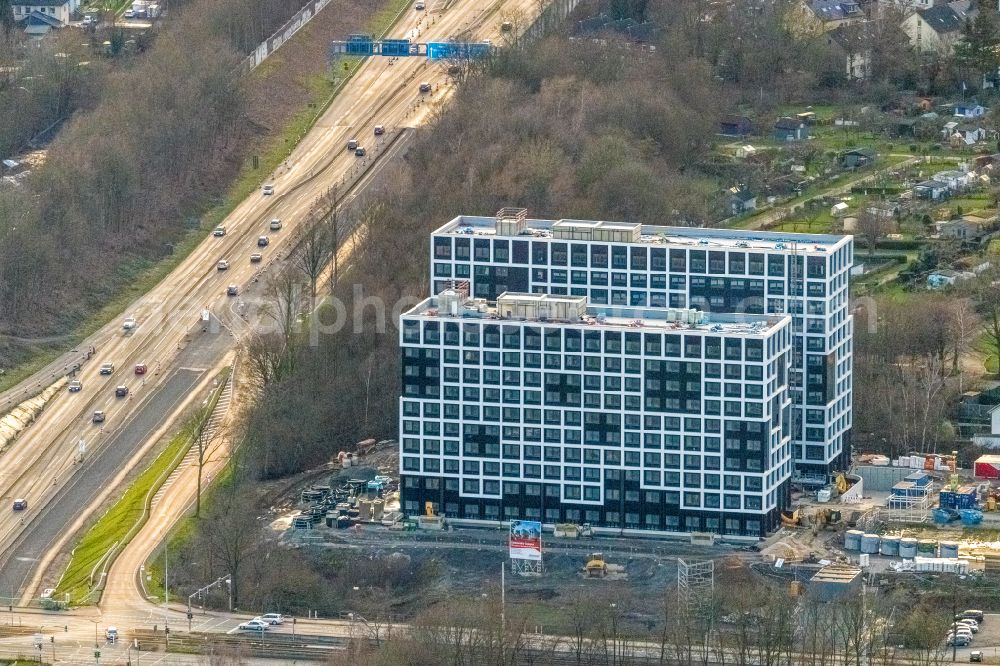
[[634, 319], [708, 238], [836, 573]]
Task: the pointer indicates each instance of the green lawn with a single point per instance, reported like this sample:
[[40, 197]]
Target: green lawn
[[111, 533], [991, 363]]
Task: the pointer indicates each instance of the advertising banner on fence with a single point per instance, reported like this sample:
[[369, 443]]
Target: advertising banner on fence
[[526, 540]]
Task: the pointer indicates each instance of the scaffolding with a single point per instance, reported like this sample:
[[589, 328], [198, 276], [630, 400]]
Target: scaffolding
[[695, 585], [905, 509], [526, 567]]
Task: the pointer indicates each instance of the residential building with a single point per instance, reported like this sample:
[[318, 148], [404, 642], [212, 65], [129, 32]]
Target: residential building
[[935, 29], [946, 278], [715, 270], [737, 126], [790, 129], [956, 180], [539, 407], [741, 200], [970, 110], [62, 10], [38, 24], [990, 439], [850, 44], [966, 227], [857, 158], [816, 16], [931, 190]]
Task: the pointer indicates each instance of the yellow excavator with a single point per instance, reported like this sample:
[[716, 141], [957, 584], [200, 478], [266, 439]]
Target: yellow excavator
[[826, 519], [596, 567], [840, 482], [790, 519]]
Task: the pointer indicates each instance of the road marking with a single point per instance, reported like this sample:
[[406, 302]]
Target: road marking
[[195, 369]]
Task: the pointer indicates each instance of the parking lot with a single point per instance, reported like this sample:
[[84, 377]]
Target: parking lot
[[986, 641]]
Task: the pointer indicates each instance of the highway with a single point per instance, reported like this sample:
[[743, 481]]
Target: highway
[[40, 466]]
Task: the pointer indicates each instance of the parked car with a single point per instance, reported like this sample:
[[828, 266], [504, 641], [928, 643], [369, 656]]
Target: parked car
[[140, 368], [359, 151], [128, 14], [219, 231], [976, 656], [263, 241], [256, 258], [379, 130], [98, 416], [107, 368], [958, 641], [75, 386], [425, 87], [20, 504], [267, 190], [976, 615], [232, 290], [275, 225], [971, 624], [223, 265], [121, 391], [272, 618]]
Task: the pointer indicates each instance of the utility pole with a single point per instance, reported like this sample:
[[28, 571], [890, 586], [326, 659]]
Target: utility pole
[[503, 598], [166, 596]]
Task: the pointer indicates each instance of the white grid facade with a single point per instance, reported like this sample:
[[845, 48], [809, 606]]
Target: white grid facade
[[713, 270], [657, 427]]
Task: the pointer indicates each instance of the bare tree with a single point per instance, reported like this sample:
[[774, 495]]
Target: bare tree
[[311, 258], [873, 227]]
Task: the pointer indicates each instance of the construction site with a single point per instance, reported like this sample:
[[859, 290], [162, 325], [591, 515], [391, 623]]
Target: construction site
[[912, 516]]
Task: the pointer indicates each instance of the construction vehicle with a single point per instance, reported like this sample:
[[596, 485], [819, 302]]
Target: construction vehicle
[[596, 567], [840, 482], [572, 530], [825, 519], [790, 519]]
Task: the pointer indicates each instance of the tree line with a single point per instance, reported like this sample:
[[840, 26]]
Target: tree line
[[149, 141]]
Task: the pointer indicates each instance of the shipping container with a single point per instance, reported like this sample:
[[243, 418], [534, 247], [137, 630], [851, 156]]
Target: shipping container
[[988, 467], [963, 498], [919, 479]]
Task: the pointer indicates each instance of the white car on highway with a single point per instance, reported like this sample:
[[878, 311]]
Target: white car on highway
[[223, 265], [267, 190], [253, 625]]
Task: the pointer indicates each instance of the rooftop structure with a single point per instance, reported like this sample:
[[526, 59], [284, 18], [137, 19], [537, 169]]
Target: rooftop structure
[[624, 232], [575, 310]]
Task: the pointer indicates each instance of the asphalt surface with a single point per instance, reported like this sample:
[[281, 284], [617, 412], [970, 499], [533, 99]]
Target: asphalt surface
[[382, 91], [104, 463]]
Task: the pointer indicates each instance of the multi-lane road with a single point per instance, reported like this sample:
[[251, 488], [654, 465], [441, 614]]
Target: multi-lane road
[[41, 465]]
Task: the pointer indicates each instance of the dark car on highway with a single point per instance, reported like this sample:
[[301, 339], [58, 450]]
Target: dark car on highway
[[121, 391], [20, 504]]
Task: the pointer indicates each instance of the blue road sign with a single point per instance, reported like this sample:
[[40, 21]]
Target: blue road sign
[[395, 47], [361, 45], [441, 50]]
